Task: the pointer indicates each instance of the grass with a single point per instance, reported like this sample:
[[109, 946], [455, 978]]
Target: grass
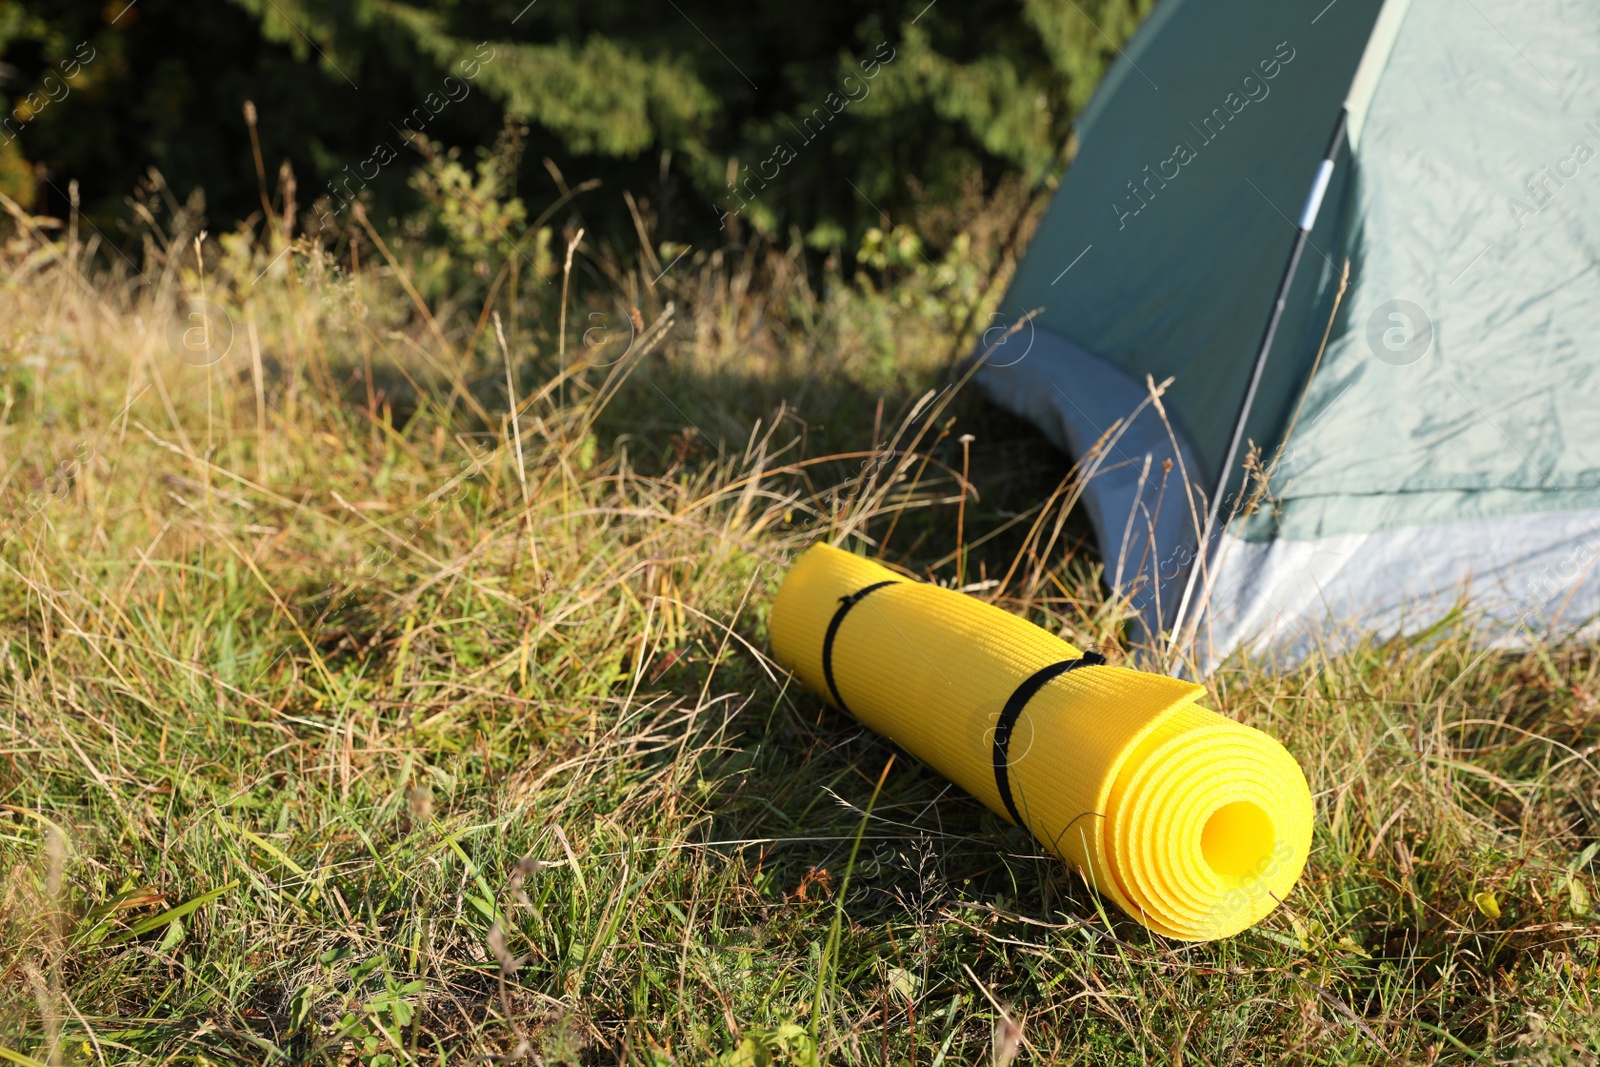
[[344, 718]]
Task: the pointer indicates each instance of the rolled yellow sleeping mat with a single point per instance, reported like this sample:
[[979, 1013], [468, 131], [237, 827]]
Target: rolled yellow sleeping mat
[[1194, 825]]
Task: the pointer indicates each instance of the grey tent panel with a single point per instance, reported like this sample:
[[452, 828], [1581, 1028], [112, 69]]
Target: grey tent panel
[[1136, 465], [1511, 576]]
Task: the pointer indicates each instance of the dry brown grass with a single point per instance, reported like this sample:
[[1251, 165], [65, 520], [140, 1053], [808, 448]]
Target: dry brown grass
[[345, 718]]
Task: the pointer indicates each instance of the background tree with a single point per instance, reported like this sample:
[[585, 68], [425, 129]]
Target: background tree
[[824, 117]]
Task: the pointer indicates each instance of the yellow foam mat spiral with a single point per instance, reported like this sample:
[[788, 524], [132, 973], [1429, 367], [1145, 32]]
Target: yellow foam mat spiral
[[1193, 824]]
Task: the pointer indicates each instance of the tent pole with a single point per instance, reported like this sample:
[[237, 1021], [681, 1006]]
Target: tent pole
[[1208, 539]]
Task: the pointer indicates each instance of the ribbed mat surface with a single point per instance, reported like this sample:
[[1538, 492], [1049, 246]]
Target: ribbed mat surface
[[1193, 824]]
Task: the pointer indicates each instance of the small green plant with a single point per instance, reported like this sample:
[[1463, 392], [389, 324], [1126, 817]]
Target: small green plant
[[786, 1045], [471, 223], [374, 1008]]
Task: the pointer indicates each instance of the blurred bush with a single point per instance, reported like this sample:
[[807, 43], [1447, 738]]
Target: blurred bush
[[722, 118]]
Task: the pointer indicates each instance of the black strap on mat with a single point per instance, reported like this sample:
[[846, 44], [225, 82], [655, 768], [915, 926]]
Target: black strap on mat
[[1013, 709], [845, 604]]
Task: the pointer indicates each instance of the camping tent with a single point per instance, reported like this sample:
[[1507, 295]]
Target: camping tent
[[1361, 238]]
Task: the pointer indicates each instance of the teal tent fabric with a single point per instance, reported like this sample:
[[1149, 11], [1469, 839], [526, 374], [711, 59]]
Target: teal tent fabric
[[1182, 200], [1456, 399]]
